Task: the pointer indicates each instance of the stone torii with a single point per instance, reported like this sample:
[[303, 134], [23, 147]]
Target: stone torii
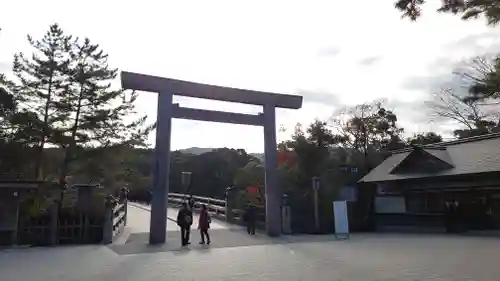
[[166, 88]]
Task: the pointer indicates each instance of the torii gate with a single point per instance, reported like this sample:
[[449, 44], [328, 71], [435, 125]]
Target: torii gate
[[166, 88]]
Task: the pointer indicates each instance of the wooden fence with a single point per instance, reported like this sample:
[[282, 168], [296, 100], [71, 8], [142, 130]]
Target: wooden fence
[[80, 219]]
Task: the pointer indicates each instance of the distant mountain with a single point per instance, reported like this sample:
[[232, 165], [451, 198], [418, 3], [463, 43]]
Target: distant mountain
[[201, 150], [259, 156], [196, 150]]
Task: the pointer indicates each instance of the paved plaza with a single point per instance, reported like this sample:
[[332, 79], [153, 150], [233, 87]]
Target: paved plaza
[[237, 256]]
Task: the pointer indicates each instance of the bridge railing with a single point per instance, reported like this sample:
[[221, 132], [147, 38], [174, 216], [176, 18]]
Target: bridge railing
[[115, 217], [220, 209], [215, 206]]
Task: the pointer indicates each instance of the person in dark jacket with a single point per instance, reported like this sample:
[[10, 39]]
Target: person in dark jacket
[[191, 202], [451, 218], [250, 218], [184, 221], [204, 224], [448, 216]]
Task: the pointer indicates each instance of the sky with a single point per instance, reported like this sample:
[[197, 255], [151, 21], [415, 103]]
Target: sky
[[334, 53]]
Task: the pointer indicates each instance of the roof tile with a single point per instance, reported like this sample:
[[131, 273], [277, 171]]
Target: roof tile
[[475, 155]]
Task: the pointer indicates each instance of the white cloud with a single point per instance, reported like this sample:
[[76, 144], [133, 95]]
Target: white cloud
[[278, 46]]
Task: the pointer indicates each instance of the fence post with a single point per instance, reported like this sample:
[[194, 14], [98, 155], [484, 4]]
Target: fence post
[[15, 232], [125, 209], [107, 227], [54, 228], [124, 195]]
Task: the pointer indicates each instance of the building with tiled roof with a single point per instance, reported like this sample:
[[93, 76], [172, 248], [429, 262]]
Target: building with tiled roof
[[413, 185]]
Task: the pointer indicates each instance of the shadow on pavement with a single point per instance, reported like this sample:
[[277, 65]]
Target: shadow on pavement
[[137, 243]]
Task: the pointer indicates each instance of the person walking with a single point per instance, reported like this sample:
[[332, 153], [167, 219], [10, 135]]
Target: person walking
[[250, 218], [204, 224], [191, 202], [184, 221]]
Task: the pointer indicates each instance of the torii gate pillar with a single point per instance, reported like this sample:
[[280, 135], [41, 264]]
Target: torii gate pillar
[[161, 173], [166, 88], [273, 191]]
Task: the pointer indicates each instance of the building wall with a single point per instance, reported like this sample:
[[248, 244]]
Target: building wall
[[421, 204]]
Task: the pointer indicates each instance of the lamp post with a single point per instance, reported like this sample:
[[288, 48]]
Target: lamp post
[[186, 181], [315, 186], [285, 200], [229, 203], [228, 191]]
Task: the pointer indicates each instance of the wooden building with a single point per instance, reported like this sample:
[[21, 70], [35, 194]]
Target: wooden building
[[412, 186]]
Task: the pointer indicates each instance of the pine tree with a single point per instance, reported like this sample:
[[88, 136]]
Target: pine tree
[[42, 79], [6, 107], [15, 135], [466, 9], [98, 113]]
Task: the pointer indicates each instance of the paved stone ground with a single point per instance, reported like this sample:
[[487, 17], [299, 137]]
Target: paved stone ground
[[362, 257]]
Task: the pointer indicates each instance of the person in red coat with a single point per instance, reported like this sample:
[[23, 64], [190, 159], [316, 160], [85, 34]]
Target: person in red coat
[[204, 224]]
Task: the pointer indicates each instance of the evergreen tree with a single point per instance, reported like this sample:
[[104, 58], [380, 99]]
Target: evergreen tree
[[42, 78], [467, 9], [15, 136], [96, 113], [6, 108]]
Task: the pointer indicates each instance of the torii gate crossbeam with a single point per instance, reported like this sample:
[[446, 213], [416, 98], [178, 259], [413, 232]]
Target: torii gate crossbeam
[[166, 88]]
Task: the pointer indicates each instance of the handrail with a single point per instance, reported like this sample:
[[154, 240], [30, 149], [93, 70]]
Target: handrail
[[217, 207], [116, 218], [200, 198]]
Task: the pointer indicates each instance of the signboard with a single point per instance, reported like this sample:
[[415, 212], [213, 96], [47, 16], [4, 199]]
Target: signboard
[[341, 218], [349, 169]]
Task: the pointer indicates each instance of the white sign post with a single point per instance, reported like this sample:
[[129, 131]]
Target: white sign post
[[341, 219]]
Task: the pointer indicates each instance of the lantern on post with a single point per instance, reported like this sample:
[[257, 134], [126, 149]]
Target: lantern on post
[[285, 201], [228, 191]]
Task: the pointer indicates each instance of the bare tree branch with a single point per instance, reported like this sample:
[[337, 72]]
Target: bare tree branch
[[448, 105], [472, 113], [475, 70]]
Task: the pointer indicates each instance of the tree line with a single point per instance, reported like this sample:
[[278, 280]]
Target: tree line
[[61, 119]]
